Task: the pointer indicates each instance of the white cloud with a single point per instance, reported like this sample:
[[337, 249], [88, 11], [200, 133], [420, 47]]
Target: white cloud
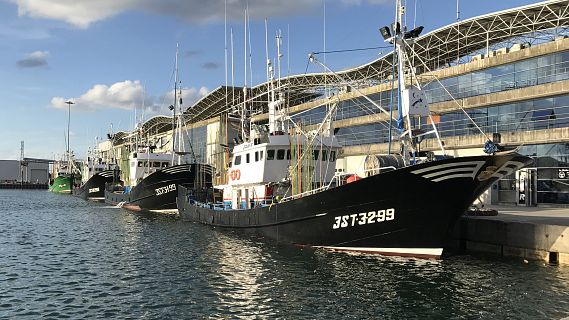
[[34, 60], [128, 95], [189, 97], [82, 13], [122, 95]]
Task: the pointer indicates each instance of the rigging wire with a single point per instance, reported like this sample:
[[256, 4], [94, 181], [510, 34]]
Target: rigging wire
[[351, 50]]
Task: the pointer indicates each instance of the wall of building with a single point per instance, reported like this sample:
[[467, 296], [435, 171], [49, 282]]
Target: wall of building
[[10, 171]]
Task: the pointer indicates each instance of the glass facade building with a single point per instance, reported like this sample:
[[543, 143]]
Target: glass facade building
[[551, 167]]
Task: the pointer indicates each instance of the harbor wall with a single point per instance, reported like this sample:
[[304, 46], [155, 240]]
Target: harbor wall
[[541, 234]]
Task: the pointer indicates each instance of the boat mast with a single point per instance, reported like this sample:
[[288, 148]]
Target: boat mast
[[174, 107], [412, 102], [68, 154]]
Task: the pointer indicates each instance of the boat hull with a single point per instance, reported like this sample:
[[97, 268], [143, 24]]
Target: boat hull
[[94, 188], [158, 191], [62, 184], [405, 212]]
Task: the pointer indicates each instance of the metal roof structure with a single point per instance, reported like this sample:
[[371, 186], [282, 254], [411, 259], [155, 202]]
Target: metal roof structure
[[154, 125], [436, 49]]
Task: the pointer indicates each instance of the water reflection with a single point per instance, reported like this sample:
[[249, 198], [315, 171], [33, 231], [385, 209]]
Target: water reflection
[[63, 257]]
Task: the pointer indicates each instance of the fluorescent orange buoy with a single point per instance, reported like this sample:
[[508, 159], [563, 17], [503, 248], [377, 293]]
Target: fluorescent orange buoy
[[353, 177]]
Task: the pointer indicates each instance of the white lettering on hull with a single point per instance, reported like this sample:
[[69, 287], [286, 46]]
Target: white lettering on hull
[[165, 189], [364, 218]]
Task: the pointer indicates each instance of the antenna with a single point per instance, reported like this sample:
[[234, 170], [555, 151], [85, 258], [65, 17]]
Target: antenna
[[244, 107], [232, 72], [457, 10], [267, 48], [225, 48], [250, 50]]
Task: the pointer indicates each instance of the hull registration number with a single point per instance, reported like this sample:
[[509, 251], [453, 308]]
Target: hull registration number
[[364, 218], [165, 189]]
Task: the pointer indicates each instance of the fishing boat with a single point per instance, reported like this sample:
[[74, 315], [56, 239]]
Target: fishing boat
[[154, 177], [65, 174], [97, 172], [282, 183]]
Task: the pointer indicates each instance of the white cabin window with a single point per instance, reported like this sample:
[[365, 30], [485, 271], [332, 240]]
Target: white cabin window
[[256, 156], [156, 164], [332, 156], [164, 164], [247, 158], [288, 154], [261, 155], [270, 154], [140, 164], [280, 154], [237, 160], [324, 155]]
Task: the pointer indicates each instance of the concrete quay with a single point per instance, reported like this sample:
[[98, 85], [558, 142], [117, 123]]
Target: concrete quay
[[531, 233]]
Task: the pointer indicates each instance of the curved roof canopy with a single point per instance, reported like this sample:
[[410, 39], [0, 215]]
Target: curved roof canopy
[[435, 49]]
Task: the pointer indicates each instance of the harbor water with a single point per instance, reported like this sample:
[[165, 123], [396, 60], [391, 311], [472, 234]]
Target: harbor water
[[62, 257]]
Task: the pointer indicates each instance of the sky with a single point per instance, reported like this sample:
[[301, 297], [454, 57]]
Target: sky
[[115, 58]]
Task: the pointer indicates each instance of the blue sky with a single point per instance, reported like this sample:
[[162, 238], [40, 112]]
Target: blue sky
[[112, 56]]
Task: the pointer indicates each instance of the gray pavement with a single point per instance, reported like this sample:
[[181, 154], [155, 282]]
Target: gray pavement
[[534, 215]]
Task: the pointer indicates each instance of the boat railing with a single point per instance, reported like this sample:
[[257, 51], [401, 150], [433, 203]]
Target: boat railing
[[375, 171], [335, 181]]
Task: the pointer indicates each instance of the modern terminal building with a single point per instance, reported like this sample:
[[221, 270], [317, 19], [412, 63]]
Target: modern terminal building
[[508, 71]]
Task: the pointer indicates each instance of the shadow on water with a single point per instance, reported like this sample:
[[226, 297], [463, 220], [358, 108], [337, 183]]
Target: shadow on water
[[63, 257]]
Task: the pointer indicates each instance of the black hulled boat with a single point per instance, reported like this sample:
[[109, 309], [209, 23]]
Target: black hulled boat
[[94, 188], [404, 212], [158, 190], [282, 184]]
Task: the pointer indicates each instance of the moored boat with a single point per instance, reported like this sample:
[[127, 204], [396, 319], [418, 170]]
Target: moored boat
[[157, 186], [154, 177], [94, 188], [282, 183], [372, 214]]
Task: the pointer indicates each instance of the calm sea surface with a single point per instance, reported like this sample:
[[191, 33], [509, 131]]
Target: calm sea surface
[[62, 257]]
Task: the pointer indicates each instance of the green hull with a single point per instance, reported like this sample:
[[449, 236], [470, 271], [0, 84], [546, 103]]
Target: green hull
[[62, 184]]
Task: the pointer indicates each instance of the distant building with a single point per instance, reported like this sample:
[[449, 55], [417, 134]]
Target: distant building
[[31, 172]]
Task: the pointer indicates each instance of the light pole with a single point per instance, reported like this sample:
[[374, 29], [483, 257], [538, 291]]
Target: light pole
[[69, 103]]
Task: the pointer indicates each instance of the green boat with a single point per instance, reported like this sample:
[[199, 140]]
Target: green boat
[[62, 184], [66, 169]]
